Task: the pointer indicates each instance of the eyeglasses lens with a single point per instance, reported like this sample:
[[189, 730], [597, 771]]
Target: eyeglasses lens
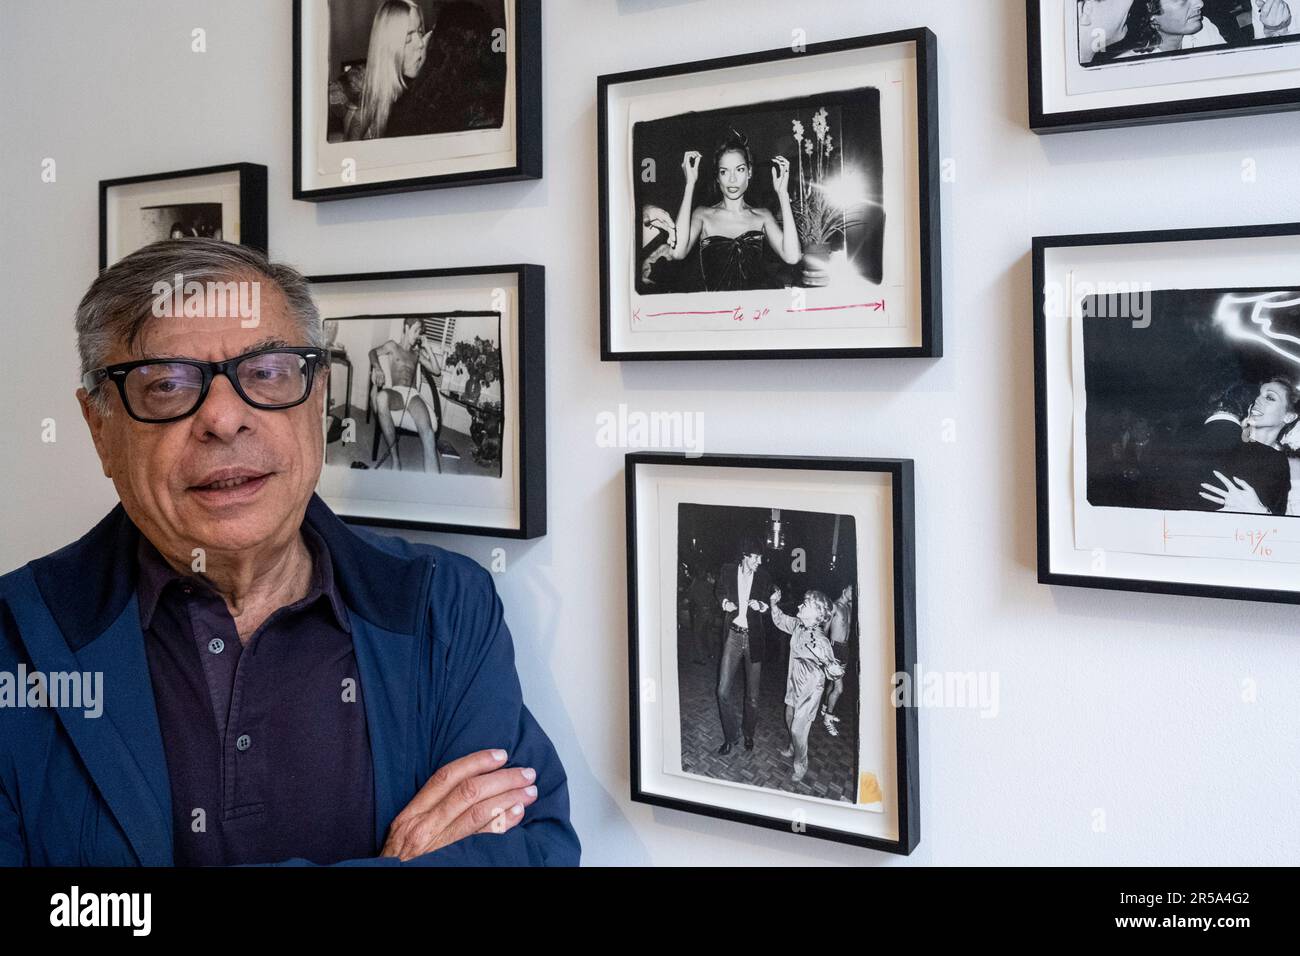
[[273, 378], [164, 390]]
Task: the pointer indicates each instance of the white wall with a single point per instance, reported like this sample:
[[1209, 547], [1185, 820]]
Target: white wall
[[1127, 703]]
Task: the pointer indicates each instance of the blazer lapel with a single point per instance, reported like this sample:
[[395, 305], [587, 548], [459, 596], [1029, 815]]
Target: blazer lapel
[[122, 747]]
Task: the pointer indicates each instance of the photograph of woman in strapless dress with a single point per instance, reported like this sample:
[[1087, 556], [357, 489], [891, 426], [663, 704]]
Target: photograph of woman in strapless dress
[[760, 198], [730, 233]]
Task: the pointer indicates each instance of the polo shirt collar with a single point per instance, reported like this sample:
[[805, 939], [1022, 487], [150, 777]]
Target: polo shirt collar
[[156, 575]]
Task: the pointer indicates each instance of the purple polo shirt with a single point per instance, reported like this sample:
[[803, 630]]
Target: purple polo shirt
[[267, 739]]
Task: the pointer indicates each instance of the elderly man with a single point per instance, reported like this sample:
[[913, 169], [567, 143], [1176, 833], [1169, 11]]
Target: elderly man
[[277, 686]]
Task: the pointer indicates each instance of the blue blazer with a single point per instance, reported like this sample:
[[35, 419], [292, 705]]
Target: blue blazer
[[436, 665]]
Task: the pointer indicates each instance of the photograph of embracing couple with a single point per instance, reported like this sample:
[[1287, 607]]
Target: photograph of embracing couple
[[1195, 406], [768, 648], [1120, 30]]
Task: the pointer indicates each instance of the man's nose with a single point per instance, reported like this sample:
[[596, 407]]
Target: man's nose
[[223, 413]]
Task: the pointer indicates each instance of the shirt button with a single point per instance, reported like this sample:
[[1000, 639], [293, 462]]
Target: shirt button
[[216, 645], [244, 742]]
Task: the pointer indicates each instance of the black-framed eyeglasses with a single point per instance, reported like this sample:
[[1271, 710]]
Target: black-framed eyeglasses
[[157, 391]]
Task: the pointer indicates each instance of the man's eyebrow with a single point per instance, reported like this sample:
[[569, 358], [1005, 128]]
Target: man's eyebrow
[[267, 343]]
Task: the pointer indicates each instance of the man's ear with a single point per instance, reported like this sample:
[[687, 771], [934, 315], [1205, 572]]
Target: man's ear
[[95, 422]]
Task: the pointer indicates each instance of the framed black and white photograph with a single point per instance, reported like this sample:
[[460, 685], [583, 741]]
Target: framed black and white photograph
[[436, 416], [217, 202], [399, 95], [770, 612], [1100, 63], [1167, 370], [773, 205]]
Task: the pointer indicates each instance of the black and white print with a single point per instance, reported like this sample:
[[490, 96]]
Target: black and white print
[[421, 392], [1192, 400], [1120, 31], [774, 195], [397, 95], [215, 202], [768, 648], [180, 221], [778, 204], [1116, 63], [415, 67]]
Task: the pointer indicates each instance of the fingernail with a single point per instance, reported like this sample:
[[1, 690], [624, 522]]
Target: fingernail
[[531, 791], [498, 755], [517, 809], [529, 773]]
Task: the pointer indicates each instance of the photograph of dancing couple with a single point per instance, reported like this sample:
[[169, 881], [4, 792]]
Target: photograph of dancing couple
[[767, 648], [1195, 407]]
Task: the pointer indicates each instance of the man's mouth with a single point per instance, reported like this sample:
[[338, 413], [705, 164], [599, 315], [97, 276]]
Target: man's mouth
[[231, 483], [222, 485]]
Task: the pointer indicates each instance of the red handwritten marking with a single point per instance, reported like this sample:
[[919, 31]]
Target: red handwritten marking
[[655, 315], [1257, 546], [738, 313], [874, 306], [1256, 538]]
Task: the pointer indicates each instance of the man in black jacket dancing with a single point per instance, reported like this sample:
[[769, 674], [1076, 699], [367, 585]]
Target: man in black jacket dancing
[[741, 589]]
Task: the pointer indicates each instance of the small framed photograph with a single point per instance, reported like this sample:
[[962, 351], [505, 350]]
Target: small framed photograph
[[397, 95], [771, 626], [221, 202], [436, 414], [1166, 373], [782, 204], [1102, 63]]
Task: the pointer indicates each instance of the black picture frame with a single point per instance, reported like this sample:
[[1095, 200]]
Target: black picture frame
[[252, 200], [527, 110], [531, 362], [929, 281], [904, 627], [1211, 107], [1042, 468]]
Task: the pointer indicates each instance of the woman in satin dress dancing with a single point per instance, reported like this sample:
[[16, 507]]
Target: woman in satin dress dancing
[[731, 233]]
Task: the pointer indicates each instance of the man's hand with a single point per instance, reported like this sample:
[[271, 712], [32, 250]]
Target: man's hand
[[728, 606], [471, 795]]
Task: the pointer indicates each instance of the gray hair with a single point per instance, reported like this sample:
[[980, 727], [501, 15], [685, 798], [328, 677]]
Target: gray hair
[[121, 300]]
